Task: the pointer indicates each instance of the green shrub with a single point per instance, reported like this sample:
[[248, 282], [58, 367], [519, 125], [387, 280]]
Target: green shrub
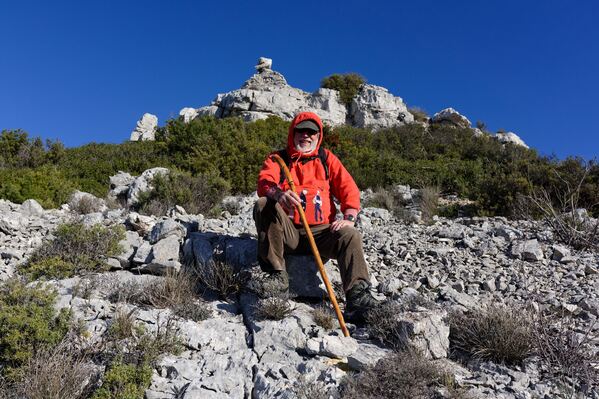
[[28, 323], [346, 84], [197, 194], [124, 381], [75, 248], [47, 184]]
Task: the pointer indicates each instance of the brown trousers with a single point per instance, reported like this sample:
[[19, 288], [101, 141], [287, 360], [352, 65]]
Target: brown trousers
[[277, 236]]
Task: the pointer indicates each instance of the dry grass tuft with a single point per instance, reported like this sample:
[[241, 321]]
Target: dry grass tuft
[[497, 332], [428, 200], [273, 308], [385, 326], [57, 373], [86, 204], [324, 317], [220, 277], [401, 375]]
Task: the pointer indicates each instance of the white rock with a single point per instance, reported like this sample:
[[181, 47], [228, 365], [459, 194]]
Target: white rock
[[452, 117], [31, 208], [143, 183], [145, 129], [188, 114], [510, 137]]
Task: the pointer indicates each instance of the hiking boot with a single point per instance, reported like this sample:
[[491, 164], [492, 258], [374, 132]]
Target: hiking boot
[[275, 284], [359, 302]]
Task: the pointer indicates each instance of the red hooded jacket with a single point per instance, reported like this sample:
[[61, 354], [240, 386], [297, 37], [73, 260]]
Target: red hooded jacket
[[310, 180]]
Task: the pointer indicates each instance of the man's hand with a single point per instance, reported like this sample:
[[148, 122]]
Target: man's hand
[[288, 199], [339, 224]]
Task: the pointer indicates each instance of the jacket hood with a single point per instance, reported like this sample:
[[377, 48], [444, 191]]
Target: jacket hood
[[302, 116]]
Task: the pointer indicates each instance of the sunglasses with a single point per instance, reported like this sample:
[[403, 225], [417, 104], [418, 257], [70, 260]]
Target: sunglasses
[[309, 132]]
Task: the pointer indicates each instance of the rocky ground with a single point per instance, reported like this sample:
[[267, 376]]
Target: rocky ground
[[460, 263]]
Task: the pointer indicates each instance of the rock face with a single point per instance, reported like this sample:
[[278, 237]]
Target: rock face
[[267, 93], [510, 137], [451, 117], [146, 128]]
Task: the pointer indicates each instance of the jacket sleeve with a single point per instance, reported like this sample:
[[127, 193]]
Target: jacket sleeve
[[268, 178], [343, 186]]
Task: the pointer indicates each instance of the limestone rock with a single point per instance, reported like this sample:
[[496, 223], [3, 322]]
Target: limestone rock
[[263, 63], [31, 208], [375, 107], [188, 114], [145, 129], [527, 250], [142, 184], [510, 137], [451, 117]]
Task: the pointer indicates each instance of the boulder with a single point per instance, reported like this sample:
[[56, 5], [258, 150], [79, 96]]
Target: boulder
[[375, 107], [188, 114], [145, 129], [142, 184], [510, 137], [450, 116], [31, 208]]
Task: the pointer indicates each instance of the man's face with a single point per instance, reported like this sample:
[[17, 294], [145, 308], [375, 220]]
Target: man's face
[[305, 140]]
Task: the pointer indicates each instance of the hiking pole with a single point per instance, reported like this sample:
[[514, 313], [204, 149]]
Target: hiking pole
[[315, 252]]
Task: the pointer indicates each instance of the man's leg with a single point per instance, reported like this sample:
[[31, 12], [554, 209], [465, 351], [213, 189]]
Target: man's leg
[[345, 245], [276, 233]]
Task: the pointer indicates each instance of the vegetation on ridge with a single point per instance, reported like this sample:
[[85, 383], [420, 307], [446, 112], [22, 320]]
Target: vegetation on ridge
[[481, 169]]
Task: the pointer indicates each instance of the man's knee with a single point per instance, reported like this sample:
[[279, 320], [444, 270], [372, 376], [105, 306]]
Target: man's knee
[[260, 205], [349, 233]]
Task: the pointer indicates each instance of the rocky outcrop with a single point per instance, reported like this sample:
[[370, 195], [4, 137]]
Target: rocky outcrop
[[267, 93], [510, 137], [145, 129], [450, 116]]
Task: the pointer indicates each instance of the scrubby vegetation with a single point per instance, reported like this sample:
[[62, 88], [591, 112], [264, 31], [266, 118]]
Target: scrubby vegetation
[[28, 323], [75, 248], [401, 375], [346, 84], [481, 169], [196, 194]]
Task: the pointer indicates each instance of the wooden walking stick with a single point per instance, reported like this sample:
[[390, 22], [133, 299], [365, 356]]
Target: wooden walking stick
[[323, 273]]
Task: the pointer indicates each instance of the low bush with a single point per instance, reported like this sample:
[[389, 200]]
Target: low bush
[[196, 194], [401, 375], [123, 325], [75, 248], [55, 373], [346, 84], [28, 323], [569, 357], [124, 381], [497, 332]]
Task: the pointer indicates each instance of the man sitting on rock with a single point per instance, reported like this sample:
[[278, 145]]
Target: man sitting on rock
[[316, 172]]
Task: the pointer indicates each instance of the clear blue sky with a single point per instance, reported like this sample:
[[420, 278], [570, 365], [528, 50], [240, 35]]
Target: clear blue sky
[[84, 71]]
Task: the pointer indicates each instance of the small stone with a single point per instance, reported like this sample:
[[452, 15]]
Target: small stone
[[489, 285], [432, 282]]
